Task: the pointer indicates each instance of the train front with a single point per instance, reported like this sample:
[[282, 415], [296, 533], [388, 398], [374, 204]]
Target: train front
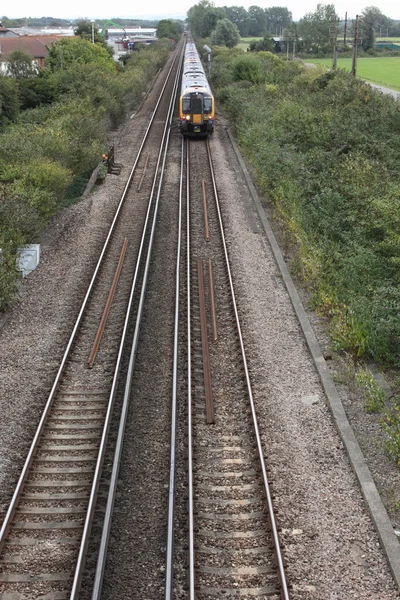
[[197, 112]]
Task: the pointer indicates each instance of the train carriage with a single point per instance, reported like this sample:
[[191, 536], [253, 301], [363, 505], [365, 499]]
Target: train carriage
[[196, 106]]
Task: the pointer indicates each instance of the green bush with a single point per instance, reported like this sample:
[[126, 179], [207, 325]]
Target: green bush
[[325, 149], [9, 100], [48, 153]]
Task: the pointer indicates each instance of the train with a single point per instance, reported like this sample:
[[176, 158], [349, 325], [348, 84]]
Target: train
[[196, 104]]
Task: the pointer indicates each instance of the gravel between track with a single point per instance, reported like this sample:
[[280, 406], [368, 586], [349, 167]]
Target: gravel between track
[[330, 545], [34, 336]]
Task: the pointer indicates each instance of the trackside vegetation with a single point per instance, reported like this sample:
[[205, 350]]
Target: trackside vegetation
[[53, 131], [325, 150]]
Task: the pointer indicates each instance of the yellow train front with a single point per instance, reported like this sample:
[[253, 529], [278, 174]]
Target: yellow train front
[[196, 106]]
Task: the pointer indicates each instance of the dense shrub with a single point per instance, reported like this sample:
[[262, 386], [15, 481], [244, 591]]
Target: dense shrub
[[48, 149], [9, 100], [325, 149]]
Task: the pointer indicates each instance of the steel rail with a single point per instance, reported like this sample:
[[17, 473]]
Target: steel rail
[[206, 228], [107, 307], [98, 580], [96, 480], [144, 172], [212, 301], [169, 575], [277, 549], [204, 344], [191, 577], [25, 470]]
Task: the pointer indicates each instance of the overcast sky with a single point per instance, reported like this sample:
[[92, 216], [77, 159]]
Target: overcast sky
[[161, 9]]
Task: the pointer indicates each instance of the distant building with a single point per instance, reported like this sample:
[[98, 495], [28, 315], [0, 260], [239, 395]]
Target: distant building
[[37, 47], [44, 31], [131, 32], [7, 33], [123, 40]]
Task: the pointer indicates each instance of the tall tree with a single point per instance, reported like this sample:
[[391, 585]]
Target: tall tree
[[240, 17], [278, 17], [226, 33], [89, 31], [314, 28], [86, 29], [203, 18], [257, 21], [167, 28], [372, 20]]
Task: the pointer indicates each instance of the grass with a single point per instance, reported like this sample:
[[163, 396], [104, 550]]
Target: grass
[[388, 39], [245, 42], [382, 70]]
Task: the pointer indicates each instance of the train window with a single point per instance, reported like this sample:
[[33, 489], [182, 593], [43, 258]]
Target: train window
[[186, 105], [197, 104], [207, 105]]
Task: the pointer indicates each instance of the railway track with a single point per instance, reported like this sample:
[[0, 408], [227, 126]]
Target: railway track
[[44, 537], [233, 543]]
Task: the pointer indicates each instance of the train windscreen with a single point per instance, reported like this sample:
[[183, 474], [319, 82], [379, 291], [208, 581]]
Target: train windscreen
[[207, 102], [197, 104]]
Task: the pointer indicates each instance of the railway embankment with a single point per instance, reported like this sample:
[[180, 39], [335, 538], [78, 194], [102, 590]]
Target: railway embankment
[[330, 177], [53, 133]]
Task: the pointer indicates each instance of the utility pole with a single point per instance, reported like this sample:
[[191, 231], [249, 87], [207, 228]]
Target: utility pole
[[294, 47], [355, 46], [92, 21], [345, 29], [333, 31]]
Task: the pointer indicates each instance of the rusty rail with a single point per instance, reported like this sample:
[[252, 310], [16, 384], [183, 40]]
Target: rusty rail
[[204, 343], [212, 302], [206, 228], [107, 307]]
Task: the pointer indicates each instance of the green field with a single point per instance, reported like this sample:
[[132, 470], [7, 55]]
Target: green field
[[384, 70], [388, 39], [244, 42]]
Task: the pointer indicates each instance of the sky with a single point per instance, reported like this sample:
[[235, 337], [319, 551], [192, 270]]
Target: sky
[[160, 9]]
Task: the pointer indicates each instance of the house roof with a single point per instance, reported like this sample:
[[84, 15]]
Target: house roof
[[35, 46]]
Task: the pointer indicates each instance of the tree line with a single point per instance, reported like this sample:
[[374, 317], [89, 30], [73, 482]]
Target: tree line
[[53, 22], [312, 33], [255, 21]]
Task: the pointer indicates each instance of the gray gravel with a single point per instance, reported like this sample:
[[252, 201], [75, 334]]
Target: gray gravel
[[331, 548]]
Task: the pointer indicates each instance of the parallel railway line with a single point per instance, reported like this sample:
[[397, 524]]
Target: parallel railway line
[[45, 533], [233, 542], [236, 545], [233, 545], [189, 379]]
